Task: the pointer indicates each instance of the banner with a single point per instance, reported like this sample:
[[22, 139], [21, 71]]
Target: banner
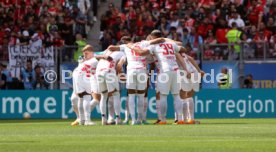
[[68, 69], [214, 69], [19, 54], [209, 103], [264, 75]]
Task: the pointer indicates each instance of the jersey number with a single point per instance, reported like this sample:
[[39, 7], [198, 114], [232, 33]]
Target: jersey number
[[168, 49]]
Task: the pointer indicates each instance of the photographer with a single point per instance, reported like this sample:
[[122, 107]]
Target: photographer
[[38, 81]]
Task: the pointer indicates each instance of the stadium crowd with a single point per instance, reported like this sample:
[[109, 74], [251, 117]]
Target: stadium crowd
[[43, 23], [248, 25], [198, 22]]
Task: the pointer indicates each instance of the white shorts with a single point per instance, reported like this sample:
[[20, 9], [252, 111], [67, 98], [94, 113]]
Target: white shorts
[[167, 83], [107, 82], [83, 85], [190, 84], [94, 84], [137, 79]]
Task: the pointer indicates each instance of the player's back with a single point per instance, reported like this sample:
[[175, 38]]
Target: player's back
[[165, 54], [135, 61], [105, 65]]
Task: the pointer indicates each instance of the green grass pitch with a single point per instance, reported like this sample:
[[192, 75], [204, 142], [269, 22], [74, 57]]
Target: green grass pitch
[[212, 135]]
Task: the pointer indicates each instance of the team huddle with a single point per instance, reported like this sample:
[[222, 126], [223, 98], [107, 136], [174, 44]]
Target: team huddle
[[99, 76]]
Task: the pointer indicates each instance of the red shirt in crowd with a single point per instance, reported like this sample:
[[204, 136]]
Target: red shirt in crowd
[[206, 2], [203, 29], [254, 14], [221, 35], [2, 33]]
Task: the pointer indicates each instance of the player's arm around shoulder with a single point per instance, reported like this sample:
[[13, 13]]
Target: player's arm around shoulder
[[143, 52], [114, 48], [195, 65], [182, 63], [157, 41]]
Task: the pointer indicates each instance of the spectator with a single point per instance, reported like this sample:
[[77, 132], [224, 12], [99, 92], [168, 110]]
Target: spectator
[[236, 18], [255, 12], [27, 75], [273, 45], [174, 35], [224, 82], [221, 31], [271, 25], [248, 82], [233, 37], [185, 37], [80, 41], [84, 6], [6, 77], [195, 40], [3, 78], [35, 41], [25, 38], [38, 81], [210, 38], [248, 50], [95, 10], [81, 21], [261, 40]]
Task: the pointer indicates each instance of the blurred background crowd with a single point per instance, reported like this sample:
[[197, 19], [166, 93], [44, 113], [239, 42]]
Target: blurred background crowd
[[210, 29], [250, 24]]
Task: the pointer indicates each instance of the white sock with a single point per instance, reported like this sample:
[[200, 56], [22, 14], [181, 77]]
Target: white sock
[[185, 109], [163, 106], [81, 110], [117, 104], [93, 104], [103, 105], [74, 102], [140, 106], [175, 111], [191, 108], [86, 107], [178, 107], [145, 108], [131, 106], [158, 111], [110, 109], [127, 110]]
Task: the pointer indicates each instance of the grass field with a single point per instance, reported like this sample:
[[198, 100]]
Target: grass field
[[221, 135]]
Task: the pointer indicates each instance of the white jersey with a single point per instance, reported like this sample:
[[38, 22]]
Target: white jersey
[[135, 61], [190, 67], [88, 68], [165, 54], [108, 66]]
